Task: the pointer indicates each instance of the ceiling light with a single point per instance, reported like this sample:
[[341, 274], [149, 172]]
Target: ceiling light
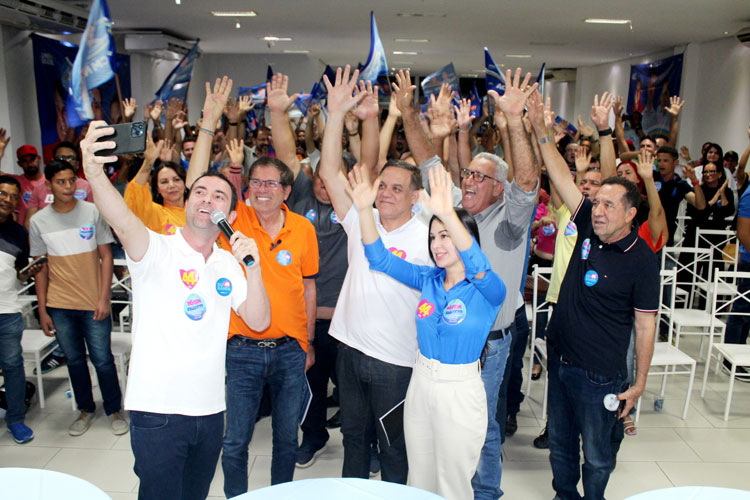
[[234, 13], [65, 32], [296, 51], [277, 38], [238, 26], [519, 56], [470, 75], [178, 2], [592, 20], [726, 32], [402, 53], [411, 40]]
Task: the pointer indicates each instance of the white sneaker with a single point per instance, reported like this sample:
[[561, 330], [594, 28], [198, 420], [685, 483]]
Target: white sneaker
[[119, 425], [81, 424]]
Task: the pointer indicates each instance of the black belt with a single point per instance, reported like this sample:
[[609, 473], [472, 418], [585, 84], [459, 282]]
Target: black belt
[[268, 343], [499, 334]]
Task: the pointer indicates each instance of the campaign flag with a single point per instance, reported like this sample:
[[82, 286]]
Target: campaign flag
[[540, 79], [257, 96], [566, 126], [177, 82], [431, 83], [476, 102], [94, 64], [651, 86], [375, 70], [269, 73], [493, 78], [322, 89]]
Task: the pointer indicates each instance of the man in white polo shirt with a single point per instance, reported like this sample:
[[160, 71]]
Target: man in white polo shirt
[[183, 289], [374, 316]]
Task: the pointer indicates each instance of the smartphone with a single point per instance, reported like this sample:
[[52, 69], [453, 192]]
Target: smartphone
[[39, 260], [129, 138]]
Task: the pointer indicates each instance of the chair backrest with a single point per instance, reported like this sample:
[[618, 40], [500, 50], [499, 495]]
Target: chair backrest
[[689, 261], [668, 279], [721, 241], [725, 306], [541, 275]]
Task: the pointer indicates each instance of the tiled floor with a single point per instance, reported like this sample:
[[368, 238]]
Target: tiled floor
[[668, 451]]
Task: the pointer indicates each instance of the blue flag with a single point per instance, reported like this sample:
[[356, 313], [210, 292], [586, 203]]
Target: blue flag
[[493, 78], [476, 102], [257, 96], [431, 83], [540, 80], [269, 73], [177, 82], [375, 70], [94, 64]]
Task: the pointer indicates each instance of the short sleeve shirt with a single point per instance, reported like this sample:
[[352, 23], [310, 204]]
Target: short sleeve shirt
[[671, 194], [14, 255]]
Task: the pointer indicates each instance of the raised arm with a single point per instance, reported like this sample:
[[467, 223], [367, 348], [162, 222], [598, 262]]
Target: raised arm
[[236, 152], [657, 220], [622, 144], [600, 116], [419, 144], [696, 198], [386, 131], [463, 116], [152, 152], [441, 119], [512, 103], [213, 108], [741, 174], [557, 169], [283, 135], [367, 111], [674, 108], [312, 123], [501, 124]]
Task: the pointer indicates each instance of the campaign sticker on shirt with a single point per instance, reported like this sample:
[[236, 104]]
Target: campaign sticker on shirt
[[311, 214], [657, 185], [585, 248], [223, 287], [415, 209], [49, 198], [80, 194], [195, 307], [401, 254], [591, 278], [611, 402], [425, 309], [189, 277], [26, 196], [86, 231], [548, 230], [455, 312], [571, 229], [283, 257], [170, 229], [335, 218]]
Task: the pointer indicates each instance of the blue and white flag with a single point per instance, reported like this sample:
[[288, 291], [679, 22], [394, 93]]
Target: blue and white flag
[[493, 78], [375, 70], [94, 64], [177, 82], [540, 80], [476, 102], [431, 83], [257, 96]]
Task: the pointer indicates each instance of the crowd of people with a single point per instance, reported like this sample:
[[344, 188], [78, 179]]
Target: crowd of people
[[386, 252]]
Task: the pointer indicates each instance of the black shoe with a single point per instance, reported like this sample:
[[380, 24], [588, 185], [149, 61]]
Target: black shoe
[[536, 375], [331, 403], [335, 421], [541, 442], [306, 456], [740, 373], [50, 363], [374, 461], [511, 426]]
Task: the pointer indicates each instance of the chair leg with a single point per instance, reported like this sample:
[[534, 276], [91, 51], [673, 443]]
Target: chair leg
[[638, 409], [544, 399], [705, 375], [729, 393], [689, 391], [663, 382], [39, 383]]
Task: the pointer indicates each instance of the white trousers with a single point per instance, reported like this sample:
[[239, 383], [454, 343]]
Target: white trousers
[[445, 424]]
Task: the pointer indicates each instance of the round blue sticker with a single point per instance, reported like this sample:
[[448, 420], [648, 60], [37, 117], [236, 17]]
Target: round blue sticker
[[86, 231], [311, 214], [335, 218], [591, 278], [548, 230], [195, 307], [454, 312], [26, 196], [283, 257], [657, 185], [80, 194], [223, 287]]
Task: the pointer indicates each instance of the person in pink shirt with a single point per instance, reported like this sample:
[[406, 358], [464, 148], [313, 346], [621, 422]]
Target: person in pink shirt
[[28, 160]]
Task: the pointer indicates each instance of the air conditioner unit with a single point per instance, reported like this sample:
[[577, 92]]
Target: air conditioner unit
[[157, 44], [45, 16]]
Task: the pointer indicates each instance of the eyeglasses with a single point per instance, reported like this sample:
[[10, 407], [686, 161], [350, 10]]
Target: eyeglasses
[[270, 184], [478, 176], [13, 197], [69, 159], [711, 172]]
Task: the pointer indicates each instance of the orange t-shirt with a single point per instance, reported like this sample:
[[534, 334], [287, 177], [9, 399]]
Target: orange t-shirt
[[161, 219], [645, 233], [284, 262]]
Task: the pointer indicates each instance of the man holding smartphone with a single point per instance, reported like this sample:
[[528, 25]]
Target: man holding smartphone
[[73, 291]]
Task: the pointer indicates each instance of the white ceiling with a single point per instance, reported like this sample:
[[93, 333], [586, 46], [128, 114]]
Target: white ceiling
[[337, 32]]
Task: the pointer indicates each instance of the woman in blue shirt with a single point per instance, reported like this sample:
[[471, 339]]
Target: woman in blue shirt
[[445, 413]]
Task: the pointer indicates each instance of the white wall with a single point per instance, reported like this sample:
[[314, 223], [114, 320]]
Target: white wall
[[562, 97]]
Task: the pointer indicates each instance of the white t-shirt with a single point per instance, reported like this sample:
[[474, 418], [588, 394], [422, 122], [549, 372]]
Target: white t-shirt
[[181, 308], [375, 314]]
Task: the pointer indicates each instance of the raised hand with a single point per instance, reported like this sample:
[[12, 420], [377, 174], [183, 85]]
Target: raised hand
[[174, 106], [549, 115], [165, 154], [689, 172], [724, 185], [245, 105], [368, 106], [583, 161], [584, 129], [600, 110], [313, 111], [441, 200], [645, 165], [236, 152], [153, 151], [179, 121], [445, 97], [404, 90], [128, 108], [675, 106], [92, 164], [360, 190], [513, 102], [536, 114], [351, 122], [340, 98], [216, 100], [618, 106], [4, 140], [441, 118], [685, 152], [276, 94], [463, 115], [232, 111], [155, 111], [501, 122]]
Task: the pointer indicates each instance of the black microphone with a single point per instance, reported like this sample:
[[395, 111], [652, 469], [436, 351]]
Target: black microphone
[[220, 219]]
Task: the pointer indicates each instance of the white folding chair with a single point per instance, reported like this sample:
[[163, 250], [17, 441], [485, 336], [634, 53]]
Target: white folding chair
[[670, 358], [35, 347], [723, 245], [123, 285], [540, 275], [734, 354]]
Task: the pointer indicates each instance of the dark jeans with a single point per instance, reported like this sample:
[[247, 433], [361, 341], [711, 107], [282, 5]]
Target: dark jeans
[[175, 455], [77, 331], [739, 326], [314, 430], [576, 410], [368, 389], [11, 362], [510, 397], [249, 368]]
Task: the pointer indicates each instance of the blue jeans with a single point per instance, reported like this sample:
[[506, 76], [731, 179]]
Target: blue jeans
[[314, 433], [486, 481], [175, 455], [739, 326], [77, 331], [11, 362], [249, 368], [576, 410], [368, 389], [510, 397]]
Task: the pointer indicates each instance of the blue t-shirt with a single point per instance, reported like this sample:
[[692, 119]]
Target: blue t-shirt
[[452, 325], [743, 210]]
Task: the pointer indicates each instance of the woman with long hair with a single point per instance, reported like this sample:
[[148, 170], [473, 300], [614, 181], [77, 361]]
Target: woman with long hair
[[445, 413]]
